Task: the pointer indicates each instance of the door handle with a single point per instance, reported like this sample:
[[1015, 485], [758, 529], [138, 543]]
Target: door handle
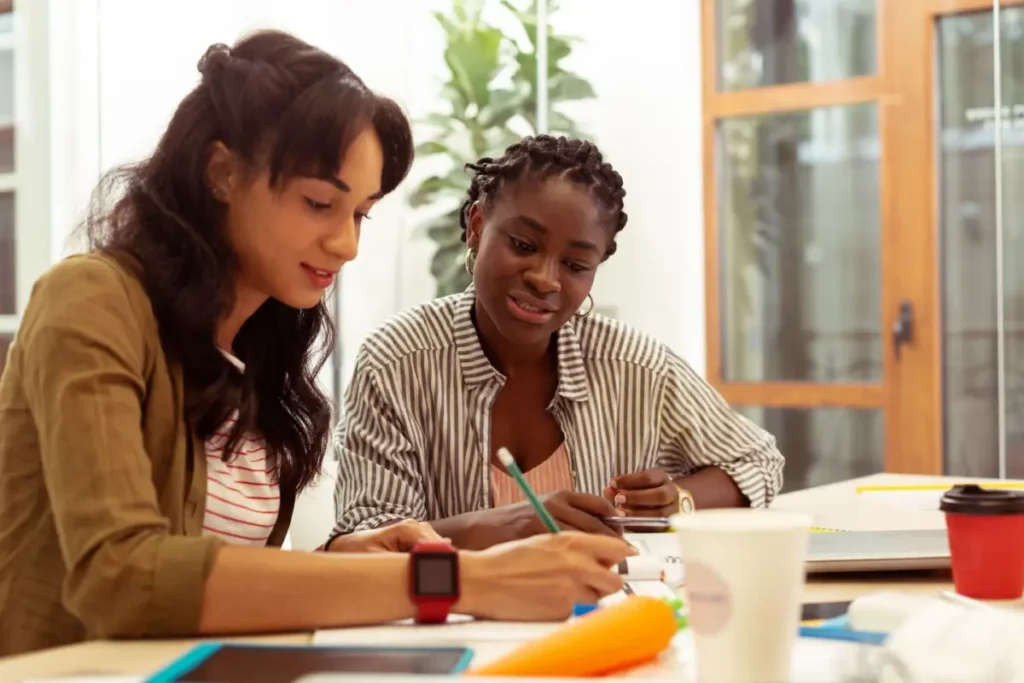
[[903, 327]]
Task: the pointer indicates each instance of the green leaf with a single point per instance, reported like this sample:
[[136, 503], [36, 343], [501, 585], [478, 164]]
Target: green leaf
[[435, 187], [470, 10], [445, 256], [503, 106], [445, 234], [473, 59], [558, 49], [566, 86], [432, 147], [446, 229], [449, 27], [529, 23], [527, 69], [443, 121], [457, 99], [441, 228], [560, 123], [505, 139]]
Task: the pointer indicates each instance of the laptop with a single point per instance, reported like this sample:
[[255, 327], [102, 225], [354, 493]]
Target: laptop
[[862, 551]]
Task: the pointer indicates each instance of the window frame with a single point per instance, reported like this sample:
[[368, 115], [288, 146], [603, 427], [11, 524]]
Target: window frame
[[30, 178], [57, 161]]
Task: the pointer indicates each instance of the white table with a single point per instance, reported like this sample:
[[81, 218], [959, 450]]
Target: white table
[[835, 505]]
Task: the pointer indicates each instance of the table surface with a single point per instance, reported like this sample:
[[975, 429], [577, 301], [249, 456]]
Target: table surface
[[834, 505]]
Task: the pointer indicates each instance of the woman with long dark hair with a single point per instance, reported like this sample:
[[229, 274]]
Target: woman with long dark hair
[[159, 411]]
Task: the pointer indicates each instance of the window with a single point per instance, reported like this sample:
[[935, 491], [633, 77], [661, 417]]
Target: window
[[8, 179], [24, 158]]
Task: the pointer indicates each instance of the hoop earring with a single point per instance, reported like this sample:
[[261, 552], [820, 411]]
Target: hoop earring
[[590, 309], [469, 262]]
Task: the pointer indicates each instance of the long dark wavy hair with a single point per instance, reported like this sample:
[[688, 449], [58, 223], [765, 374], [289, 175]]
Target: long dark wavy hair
[[285, 106]]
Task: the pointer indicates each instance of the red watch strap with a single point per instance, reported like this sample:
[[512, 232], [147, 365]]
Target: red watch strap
[[433, 611]]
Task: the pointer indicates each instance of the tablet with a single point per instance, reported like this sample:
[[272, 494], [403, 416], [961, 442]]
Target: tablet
[[242, 663]]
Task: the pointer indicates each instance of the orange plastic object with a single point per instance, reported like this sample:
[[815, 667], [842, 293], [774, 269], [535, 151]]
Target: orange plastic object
[[605, 641]]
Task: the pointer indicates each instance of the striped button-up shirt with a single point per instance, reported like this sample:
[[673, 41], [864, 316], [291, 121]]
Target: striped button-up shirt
[[416, 439]]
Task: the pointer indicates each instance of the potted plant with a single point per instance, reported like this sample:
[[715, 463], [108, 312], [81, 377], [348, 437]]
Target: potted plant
[[490, 97]]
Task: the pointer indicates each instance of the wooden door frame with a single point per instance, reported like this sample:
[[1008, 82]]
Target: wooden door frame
[[912, 416], [937, 8], [910, 393]]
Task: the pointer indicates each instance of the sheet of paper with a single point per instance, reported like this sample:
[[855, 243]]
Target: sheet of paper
[[653, 589], [660, 545], [907, 500], [664, 548]]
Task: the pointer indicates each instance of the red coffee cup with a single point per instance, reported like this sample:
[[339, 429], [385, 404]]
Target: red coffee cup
[[985, 528]]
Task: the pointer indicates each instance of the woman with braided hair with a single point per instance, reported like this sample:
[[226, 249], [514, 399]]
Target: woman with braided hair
[[602, 419], [159, 411]]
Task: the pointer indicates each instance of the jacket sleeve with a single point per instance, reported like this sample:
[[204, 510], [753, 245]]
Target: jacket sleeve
[[379, 478], [699, 429], [84, 359]]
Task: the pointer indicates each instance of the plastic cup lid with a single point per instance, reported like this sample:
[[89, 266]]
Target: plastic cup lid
[[971, 499]]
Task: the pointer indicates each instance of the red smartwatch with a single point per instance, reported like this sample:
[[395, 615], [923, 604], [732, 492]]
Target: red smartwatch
[[433, 580]]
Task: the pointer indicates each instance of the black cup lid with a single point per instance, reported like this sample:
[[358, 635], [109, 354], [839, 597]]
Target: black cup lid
[[971, 499]]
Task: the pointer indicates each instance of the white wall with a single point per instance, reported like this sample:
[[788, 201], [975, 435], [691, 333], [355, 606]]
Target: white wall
[[645, 68], [643, 61], [645, 64]]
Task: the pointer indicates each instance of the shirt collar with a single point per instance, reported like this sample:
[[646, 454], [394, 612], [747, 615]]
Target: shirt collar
[[477, 369]]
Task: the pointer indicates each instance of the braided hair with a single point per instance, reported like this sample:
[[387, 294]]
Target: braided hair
[[541, 157]]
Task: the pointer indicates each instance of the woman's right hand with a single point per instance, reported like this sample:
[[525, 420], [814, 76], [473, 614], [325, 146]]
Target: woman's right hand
[[540, 578]]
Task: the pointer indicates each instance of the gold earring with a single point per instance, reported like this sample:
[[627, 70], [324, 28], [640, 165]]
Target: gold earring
[[470, 262], [590, 309]]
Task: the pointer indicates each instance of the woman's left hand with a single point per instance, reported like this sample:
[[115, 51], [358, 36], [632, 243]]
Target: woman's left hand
[[649, 493], [396, 538]]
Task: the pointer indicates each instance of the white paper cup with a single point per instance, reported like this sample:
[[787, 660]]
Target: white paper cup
[[744, 587]]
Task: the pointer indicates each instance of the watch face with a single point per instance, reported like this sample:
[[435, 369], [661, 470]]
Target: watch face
[[437, 575]]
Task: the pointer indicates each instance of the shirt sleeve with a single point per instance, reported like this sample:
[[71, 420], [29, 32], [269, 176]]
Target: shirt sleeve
[[379, 478], [699, 429], [84, 356]]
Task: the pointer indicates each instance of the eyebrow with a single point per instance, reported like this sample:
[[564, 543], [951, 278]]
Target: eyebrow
[[343, 186], [539, 227]]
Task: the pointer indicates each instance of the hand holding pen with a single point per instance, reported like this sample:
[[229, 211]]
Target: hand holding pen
[[562, 510]]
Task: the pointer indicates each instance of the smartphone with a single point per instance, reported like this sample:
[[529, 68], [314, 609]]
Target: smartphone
[[820, 611], [645, 523]]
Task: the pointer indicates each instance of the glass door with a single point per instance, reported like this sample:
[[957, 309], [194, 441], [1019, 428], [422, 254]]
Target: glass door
[[819, 311], [978, 96]]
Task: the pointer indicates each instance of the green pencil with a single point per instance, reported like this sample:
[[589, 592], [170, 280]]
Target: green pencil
[[510, 464]]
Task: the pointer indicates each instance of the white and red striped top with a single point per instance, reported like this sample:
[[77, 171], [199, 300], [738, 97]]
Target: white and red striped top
[[242, 494]]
